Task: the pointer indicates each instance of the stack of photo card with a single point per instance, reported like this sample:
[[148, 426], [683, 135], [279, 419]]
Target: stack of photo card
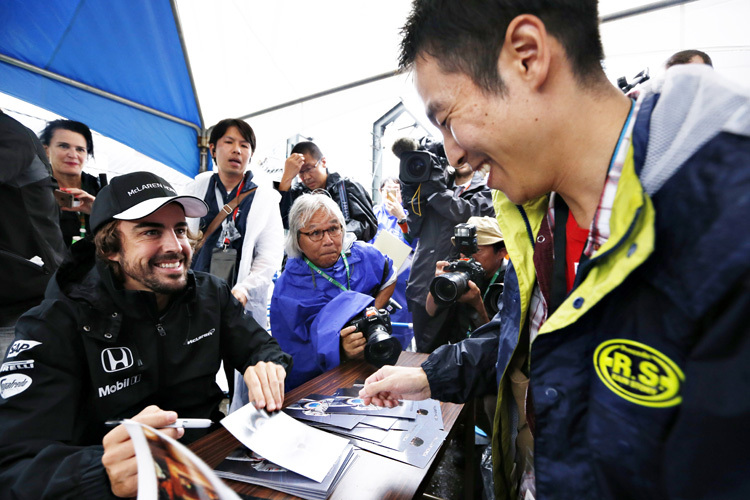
[[168, 470], [285, 455], [410, 432], [249, 467]]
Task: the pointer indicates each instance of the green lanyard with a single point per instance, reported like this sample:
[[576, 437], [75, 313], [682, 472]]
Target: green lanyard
[[491, 282], [330, 279]]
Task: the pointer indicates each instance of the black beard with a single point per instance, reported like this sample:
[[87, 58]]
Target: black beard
[[164, 285]]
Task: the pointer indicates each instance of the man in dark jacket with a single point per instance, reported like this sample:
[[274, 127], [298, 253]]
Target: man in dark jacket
[[127, 333], [31, 244], [432, 220], [308, 162]]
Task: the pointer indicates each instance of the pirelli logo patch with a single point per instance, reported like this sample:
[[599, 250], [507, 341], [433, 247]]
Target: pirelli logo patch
[[639, 373]]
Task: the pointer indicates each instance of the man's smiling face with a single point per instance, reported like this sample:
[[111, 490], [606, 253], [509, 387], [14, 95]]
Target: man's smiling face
[[484, 128], [155, 252]]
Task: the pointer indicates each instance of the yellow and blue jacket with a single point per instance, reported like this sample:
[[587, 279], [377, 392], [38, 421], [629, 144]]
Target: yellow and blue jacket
[[639, 380]]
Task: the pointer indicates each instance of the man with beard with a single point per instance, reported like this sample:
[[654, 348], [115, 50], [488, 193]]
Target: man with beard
[[125, 330]]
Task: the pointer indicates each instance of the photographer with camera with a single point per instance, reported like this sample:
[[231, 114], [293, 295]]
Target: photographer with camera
[[437, 197], [470, 288], [329, 279]]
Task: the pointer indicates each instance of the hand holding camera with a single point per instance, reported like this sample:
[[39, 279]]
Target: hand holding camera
[[379, 346]]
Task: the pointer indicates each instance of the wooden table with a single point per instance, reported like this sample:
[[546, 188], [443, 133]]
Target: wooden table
[[371, 476]]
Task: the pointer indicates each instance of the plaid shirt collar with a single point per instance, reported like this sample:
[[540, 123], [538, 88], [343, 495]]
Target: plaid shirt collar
[[599, 229]]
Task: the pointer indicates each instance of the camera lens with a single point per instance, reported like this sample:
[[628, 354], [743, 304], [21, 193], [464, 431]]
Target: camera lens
[[448, 287], [381, 348], [416, 167]]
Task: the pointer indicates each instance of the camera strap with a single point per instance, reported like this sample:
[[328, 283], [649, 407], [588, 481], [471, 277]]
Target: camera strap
[[332, 280], [492, 282]]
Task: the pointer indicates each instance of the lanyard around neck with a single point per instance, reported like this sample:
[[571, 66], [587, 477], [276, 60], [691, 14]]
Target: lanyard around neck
[[332, 280]]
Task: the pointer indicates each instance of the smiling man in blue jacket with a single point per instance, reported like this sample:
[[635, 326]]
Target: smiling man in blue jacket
[[622, 344]]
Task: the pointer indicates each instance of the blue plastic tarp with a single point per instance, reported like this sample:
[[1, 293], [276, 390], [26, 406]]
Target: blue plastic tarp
[[129, 48]]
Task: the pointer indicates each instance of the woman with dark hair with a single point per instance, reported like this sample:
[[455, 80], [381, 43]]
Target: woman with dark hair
[[68, 145]]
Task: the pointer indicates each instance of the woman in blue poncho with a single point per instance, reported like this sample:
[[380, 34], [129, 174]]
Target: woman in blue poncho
[[329, 278]]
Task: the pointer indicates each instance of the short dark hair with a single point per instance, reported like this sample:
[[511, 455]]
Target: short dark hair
[[218, 131], [467, 36], [389, 179], [308, 148], [684, 56], [73, 126], [498, 246]]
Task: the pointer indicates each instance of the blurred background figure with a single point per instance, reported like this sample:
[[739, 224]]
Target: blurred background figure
[[31, 246], [68, 145], [690, 56], [392, 219]]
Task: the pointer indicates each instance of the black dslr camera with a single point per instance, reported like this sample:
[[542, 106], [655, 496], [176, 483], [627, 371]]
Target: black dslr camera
[[381, 349], [447, 288], [427, 163]]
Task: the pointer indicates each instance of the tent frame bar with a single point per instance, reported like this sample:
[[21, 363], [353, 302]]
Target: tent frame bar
[[178, 25], [643, 9], [96, 91], [324, 93]]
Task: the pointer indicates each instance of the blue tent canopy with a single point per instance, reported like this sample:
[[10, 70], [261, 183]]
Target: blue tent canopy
[[62, 56]]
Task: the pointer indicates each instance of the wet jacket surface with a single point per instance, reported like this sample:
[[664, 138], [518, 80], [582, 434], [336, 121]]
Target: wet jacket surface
[[29, 226], [92, 352], [639, 380]]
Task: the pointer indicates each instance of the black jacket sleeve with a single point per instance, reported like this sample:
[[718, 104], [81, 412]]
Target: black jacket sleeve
[[362, 221], [458, 372], [43, 412], [285, 204]]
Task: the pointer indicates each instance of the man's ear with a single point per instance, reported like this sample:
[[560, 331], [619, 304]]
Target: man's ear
[[323, 162], [526, 50], [212, 149]]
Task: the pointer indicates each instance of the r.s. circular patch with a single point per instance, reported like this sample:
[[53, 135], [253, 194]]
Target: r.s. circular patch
[[639, 373]]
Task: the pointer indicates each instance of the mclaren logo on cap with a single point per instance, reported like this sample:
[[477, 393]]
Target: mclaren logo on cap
[[153, 185], [115, 359]]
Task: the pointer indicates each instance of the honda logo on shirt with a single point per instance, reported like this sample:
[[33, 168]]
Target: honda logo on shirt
[[115, 359]]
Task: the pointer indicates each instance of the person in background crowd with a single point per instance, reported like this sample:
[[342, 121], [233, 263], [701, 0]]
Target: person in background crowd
[[308, 162], [466, 194], [126, 330], [68, 145], [690, 56], [252, 230], [392, 218], [609, 344], [31, 244], [329, 278], [470, 311]]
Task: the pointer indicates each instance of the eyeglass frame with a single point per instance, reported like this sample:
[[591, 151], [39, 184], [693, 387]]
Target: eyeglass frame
[[303, 172], [333, 232]]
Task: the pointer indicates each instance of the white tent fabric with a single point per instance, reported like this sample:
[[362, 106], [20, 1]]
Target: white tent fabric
[[247, 56]]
